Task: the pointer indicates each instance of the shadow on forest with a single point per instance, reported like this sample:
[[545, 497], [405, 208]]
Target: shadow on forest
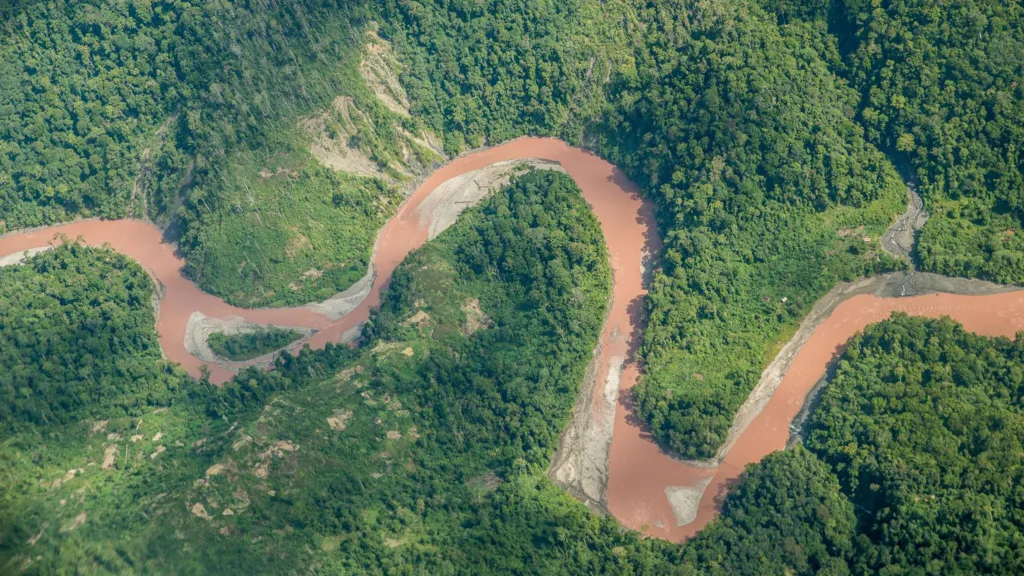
[[637, 308], [10, 9]]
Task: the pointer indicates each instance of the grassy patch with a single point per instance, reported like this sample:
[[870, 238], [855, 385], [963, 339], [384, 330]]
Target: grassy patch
[[288, 230]]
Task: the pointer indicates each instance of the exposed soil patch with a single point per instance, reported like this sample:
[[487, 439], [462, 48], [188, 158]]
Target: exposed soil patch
[[75, 523], [215, 470], [109, 457], [200, 511], [427, 140], [484, 483], [339, 419], [296, 243], [420, 320], [331, 131], [69, 476], [334, 131], [380, 69], [475, 317], [277, 450]]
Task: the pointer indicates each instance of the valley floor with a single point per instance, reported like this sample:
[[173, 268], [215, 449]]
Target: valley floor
[[606, 458]]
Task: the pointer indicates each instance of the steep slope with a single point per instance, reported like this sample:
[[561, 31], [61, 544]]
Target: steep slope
[[198, 116], [943, 91], [769, 195], [923, 426]]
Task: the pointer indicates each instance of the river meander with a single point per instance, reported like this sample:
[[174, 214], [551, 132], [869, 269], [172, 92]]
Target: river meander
[[646, 489]]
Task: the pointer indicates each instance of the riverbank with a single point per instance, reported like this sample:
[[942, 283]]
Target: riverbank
[[694, 490], [605, 458]]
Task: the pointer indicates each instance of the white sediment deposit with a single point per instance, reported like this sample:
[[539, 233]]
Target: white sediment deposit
[[20, 257], [442, 207], [685, 501], [200, 327]]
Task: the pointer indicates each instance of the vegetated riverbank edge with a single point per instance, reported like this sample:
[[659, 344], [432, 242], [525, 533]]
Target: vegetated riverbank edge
[[884, 286], [898, 240], [584, 461], [178, 342], [771, 417], [627, 223]]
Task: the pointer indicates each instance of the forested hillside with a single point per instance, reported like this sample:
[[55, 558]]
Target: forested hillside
[[923, 425], [485, 72], [425, 450], [785, 516], [197, 115], [77, 340], [760, 216], [942, 92], [88, 86], [942, 89]]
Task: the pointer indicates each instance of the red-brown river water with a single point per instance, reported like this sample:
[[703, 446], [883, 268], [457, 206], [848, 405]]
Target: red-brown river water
[[639, 472]]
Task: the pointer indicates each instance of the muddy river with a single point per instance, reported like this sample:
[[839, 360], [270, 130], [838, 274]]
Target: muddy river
[[643, 487], [642, 477]]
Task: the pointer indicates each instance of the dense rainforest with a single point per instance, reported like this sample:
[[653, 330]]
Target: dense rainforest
[[760, 219], [942, 89], [941, 92], [77, 339], [425, 449], [923, 425], [272, 140]]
